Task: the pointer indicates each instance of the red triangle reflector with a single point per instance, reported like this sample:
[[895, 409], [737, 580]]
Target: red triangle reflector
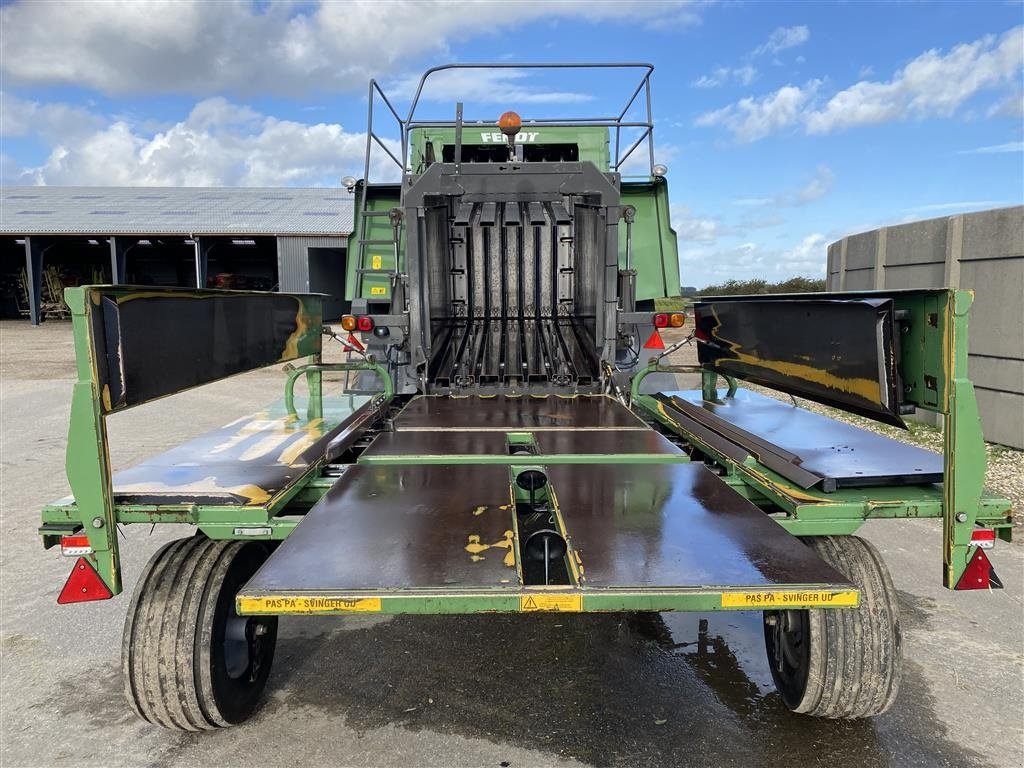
[[83, 584], [354, 342], [654, 341], [979, 573]]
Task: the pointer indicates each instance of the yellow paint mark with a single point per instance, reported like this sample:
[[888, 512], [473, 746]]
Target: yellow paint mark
[[300, 604], [207, 486], [475, 547], [479, 511], [293, 451], [303, 323], [813, 598], [559, 603], [476, 558], [579, 564], [265, 445], [866, 388], [376, 262], [106, 397], [378, 290]]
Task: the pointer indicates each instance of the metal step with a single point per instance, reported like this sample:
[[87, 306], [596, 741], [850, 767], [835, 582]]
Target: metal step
[[376, 242]]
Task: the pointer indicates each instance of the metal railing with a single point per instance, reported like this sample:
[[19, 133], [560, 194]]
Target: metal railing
[[406, 125]]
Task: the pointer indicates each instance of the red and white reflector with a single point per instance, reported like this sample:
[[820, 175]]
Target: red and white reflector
[[83, 585], [654, 341], [354, 342], [75, 545], [983, 538]]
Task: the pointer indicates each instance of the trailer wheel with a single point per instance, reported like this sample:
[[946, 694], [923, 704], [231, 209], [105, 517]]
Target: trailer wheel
[[840, 662], [189, 661]]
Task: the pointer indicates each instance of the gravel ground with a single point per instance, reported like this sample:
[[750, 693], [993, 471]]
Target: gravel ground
[[1005, 475]]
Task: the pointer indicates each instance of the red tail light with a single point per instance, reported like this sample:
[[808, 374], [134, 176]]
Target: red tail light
[[75, 545], [364, 323], [661, 320]]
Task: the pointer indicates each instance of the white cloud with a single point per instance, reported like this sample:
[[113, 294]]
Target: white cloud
[[693, 228], [218, 143], [282, 47], [816, 188], [706, 264], [21, 117], [808, 257], [995, 149], [961, 205], [1011, 106], [744, 75], [751, 119], [932, 85], [482, 86], [783, 38]]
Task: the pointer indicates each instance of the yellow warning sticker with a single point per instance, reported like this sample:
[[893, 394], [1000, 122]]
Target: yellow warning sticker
[[563, 603], [378, 290], [296, 604], [377, 262], [812, 598]]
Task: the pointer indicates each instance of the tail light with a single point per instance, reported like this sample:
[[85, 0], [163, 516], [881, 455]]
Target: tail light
[[357, 323], [75, 545], [661, 320], [676, 319]]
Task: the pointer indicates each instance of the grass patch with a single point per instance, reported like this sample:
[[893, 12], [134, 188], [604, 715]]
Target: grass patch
[[673, 304]]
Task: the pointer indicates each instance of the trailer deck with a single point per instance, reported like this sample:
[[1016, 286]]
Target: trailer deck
[[429, 519], [440, 539]]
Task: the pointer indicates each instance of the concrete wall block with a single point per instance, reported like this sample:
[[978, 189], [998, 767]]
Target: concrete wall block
[[997, 234], [914, 276], [997, 373], [1002, 417], [996, 317], [921, 242], [860, 280], [860, 250]]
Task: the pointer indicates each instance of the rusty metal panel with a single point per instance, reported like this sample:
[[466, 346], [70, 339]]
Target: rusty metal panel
[[526, 412], [840, 352], [152, 342]]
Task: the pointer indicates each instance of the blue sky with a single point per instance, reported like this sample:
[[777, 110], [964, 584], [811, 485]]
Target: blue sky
[[784, 125]]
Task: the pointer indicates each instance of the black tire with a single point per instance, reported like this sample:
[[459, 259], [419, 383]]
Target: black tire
[[842, 663], [189, 661]]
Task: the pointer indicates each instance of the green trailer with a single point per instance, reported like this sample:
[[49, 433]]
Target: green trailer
[[512, 438]]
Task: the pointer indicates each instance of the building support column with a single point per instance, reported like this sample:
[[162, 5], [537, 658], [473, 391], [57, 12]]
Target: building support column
[[203, 246], [117, 260], [34, 278]]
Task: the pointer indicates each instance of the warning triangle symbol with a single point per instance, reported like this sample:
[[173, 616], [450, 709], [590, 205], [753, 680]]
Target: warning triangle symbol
[[530, 604], [654, 341]]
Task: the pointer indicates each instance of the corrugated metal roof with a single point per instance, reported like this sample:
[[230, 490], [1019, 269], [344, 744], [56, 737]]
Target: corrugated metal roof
[[175, 210]]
